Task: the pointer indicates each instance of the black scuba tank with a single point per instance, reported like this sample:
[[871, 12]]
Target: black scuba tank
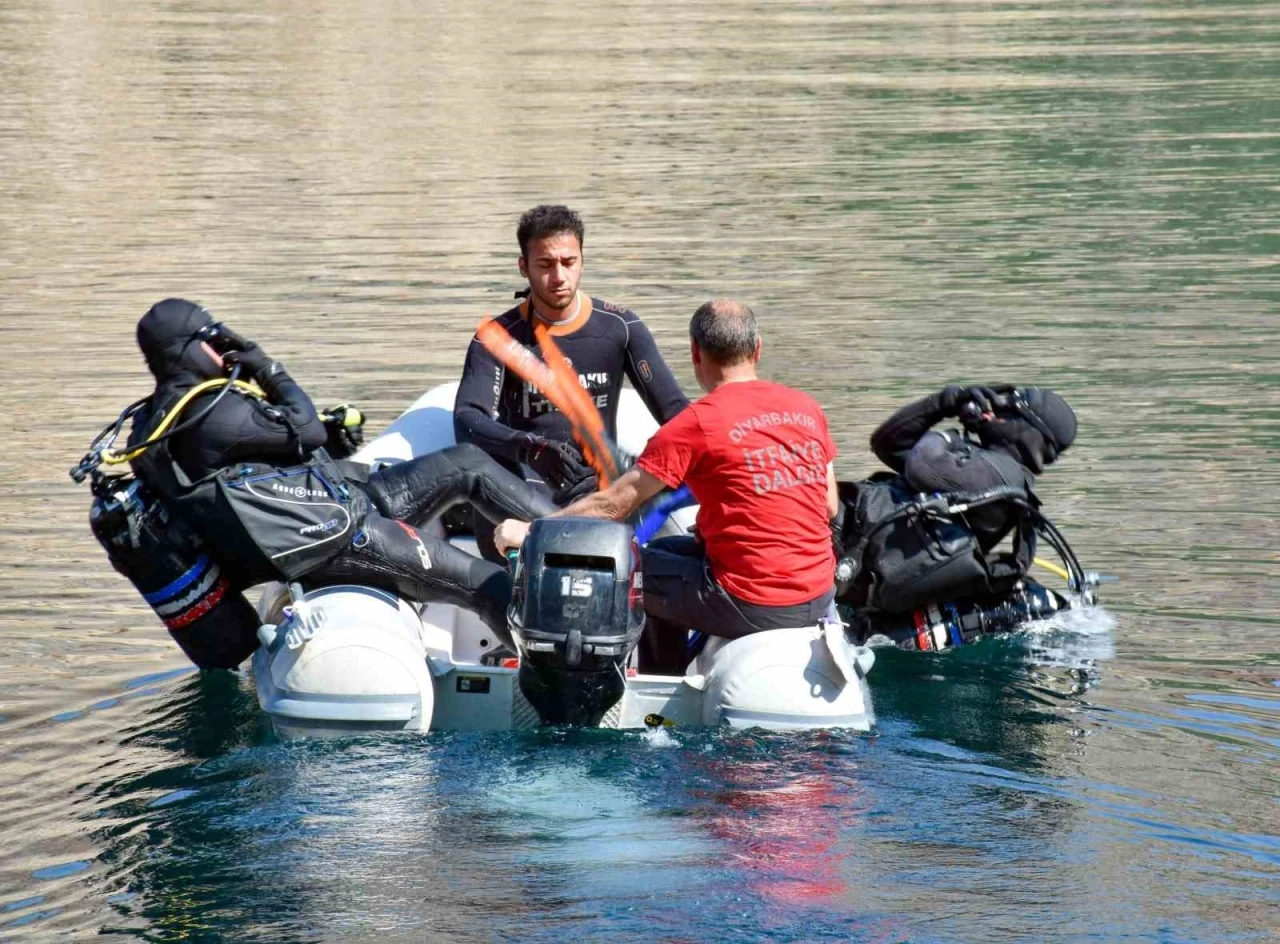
[[576, 614], [167, 562], [943, 625]]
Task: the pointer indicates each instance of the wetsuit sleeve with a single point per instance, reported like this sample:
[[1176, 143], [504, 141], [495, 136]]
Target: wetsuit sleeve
[[650, 375], [895, 437], [287, 398], [476, 407], [245, 428], [940, 463]]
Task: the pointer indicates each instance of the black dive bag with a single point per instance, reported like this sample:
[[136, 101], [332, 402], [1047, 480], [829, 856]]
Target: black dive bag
[[168, 563], [265, 521], [275, 522], [903, 551]]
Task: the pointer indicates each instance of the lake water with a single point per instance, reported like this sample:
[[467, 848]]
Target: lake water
[[1081, 195]]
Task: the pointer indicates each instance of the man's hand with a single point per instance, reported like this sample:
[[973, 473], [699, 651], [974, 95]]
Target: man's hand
[[345, 427], [223, 340], [559, 463], [257, 362], [510, 535], [953, 398]]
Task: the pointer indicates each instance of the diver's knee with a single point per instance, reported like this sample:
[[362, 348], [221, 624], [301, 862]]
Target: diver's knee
[[469, 456]]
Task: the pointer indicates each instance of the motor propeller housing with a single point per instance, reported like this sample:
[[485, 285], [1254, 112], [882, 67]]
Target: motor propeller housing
[[576, 614]]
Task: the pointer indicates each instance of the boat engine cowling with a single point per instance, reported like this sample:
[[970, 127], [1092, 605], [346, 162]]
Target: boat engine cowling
[[576, 614]]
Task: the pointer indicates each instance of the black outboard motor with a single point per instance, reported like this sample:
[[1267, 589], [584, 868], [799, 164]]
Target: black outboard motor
[[576, 613], [168, 564]]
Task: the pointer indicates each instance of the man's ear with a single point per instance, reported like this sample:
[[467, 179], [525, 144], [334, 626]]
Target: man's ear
[[755, 358], [524, 267], [694, 353]]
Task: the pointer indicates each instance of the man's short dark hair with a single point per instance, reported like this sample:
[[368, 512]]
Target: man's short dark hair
[[725, 331], [547, 220]]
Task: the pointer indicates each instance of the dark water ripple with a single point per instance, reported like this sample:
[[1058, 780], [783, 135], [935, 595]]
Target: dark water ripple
[[1078, 193]]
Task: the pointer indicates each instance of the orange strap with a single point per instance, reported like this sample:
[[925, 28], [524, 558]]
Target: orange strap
[[588, 425], [558, 382]]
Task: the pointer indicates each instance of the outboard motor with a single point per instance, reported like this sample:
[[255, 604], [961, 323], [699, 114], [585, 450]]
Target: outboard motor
[[576, 613]]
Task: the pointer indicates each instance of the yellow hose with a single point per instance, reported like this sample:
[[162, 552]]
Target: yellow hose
[[1052, 568], [251, 389]]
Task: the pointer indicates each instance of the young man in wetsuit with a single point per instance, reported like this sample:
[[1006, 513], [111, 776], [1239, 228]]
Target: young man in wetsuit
[[514, 423], [758, 457]]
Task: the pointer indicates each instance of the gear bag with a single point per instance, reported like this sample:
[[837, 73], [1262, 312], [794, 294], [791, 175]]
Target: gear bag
[[904, 550], [274, 522]]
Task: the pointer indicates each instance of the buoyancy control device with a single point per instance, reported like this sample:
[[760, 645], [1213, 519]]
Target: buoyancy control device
[[576, 614], [913, 571], [901, 551]]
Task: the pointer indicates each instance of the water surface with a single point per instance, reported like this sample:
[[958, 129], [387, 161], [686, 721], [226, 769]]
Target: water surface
[[1081, 195]]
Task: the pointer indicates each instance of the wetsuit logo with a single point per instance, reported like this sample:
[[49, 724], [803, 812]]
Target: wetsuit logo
[[298, 491], [421, 548]]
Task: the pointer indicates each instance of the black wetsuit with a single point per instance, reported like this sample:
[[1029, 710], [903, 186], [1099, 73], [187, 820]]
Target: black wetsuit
[[947, 461], [385, 554], [495, 408]]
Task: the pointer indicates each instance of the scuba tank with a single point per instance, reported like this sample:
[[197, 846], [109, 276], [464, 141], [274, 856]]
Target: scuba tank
[[942, 625], [167, 562], [162, 555], [907, 552]]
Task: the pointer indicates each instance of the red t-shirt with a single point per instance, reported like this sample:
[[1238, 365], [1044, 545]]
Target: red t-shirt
[[755, 455]]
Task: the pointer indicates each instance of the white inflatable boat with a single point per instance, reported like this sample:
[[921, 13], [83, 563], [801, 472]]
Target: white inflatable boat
[[354, 658]]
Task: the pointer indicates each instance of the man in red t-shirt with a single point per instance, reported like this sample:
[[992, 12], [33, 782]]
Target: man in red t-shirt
[[758, 458]]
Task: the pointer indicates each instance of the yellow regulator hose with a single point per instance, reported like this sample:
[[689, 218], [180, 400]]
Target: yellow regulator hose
[[110, 457], [1052, 568]]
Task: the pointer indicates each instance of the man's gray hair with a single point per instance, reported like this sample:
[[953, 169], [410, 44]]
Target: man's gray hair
[[725, 331]]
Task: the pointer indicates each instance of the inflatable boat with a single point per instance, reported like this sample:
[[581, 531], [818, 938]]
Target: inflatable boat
[[353, 658]]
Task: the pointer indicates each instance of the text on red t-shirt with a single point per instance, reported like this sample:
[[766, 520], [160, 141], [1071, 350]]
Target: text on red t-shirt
[[755, 454]]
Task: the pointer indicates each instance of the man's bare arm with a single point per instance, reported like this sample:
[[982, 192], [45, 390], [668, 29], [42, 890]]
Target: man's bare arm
[[617, 502], [833, 493]]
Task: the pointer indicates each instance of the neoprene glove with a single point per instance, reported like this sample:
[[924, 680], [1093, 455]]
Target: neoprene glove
[[953, 397], [256, 362], [236, 349], [559, 463], [345, 425], [570, 492]]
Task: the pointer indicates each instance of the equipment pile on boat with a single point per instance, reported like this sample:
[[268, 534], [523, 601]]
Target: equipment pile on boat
[[355, 658]]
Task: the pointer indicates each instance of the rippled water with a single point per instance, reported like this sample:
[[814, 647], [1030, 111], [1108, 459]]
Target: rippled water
[[1078, 194]]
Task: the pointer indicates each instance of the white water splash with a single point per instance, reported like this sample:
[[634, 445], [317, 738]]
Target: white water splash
[[1072, 639], [658, 737]]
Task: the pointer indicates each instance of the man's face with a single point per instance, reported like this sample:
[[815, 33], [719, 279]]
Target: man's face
[[554, 269]]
